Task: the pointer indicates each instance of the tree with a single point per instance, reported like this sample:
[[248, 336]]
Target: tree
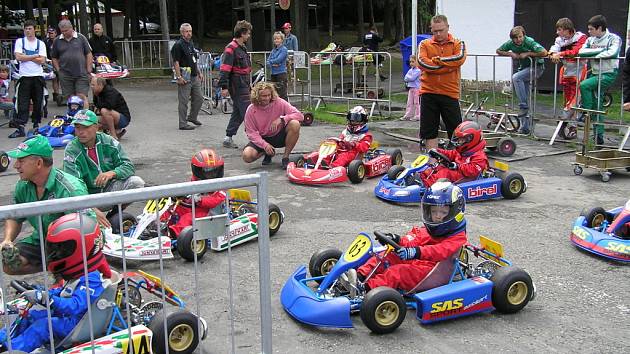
[[360, 21]]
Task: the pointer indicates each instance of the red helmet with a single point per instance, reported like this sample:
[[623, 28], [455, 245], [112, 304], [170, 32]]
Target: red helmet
[[467, 137], [64, 246], [286, 25], [206, 164]]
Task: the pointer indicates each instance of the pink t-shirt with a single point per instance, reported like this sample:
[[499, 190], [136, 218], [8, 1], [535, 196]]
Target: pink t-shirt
[[258, 119]]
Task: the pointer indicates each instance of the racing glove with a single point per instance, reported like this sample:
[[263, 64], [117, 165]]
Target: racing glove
[[36, 296], [196, 198], [408, 253], [452, 165]]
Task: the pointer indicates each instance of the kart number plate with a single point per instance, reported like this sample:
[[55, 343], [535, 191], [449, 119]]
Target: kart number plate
[[360, 246], [56, 123], [420, 161], [150, 207], [493, 247]]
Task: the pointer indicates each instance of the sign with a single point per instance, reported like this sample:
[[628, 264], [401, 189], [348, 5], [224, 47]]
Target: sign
[[299, 60], [284, 4]]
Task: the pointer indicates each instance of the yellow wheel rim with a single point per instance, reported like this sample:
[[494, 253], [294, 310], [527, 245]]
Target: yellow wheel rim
[[198, 246], [181, 337], [387, 313], [327, 266], [598, 219], [399, 159], [361, 171], [274, 220], [516, 186], [517, 293], [4, 161], [126, 226]]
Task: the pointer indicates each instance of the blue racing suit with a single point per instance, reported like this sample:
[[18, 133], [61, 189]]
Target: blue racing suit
[[67, 305]]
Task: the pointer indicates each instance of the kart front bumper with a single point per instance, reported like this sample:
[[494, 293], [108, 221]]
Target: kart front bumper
[[135, 249], [311, 176], [389, 191], [303, 304], [599, 243]]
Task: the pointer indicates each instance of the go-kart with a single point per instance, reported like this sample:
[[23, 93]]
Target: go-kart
[[5, 161], [402, 185], [59, 131], [140, 236], [112, 314], [103, 68], [454, 288], [327, 55], [604, 233], [374, 162]]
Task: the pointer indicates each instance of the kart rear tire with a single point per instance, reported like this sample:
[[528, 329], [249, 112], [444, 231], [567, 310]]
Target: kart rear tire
[[506, 146], [383, 310], [298, 160], [309, 117], [275, 219], [181, 331], [394, 172], [322, 261], [512, 186], [511, 290], [128, 221], [395, 155], [356, 171], [594, 216], [4, 161], [186, 248]]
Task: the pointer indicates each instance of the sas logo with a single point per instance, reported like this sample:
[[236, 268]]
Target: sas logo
[[448, 305], [480, 192], [618, 247], [384, 190], [581, 233]]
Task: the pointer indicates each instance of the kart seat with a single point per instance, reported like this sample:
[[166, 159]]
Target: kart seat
[[439, 275], [102, 310]]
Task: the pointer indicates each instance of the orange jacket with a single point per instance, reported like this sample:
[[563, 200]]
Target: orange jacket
[[440, 63]]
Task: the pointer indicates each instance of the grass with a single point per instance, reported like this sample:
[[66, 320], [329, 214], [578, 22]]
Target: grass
[[335, 113]]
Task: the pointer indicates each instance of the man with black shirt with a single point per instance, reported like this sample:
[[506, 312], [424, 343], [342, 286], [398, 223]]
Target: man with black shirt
[[188, 77], [112, 106], [101, 44], [49, 40]]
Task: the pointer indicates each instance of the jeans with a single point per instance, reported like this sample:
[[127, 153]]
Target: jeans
[[588, 93], [521, 81]]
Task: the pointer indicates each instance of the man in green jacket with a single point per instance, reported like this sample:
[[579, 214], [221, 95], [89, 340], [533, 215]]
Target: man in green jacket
[[99, 160], [38, 181]]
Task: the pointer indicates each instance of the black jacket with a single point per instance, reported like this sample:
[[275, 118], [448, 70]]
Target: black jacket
[[626, 78], [111, 99], [103, 45]]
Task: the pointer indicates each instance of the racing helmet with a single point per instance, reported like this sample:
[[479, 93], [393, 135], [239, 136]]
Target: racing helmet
[[206, 164], [442, 208], [357, 120], [75, 104], [64, 246], [467, 137]]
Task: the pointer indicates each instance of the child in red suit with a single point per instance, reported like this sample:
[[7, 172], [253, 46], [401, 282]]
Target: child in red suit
[[205, 164], [443, 234], [468, 159]]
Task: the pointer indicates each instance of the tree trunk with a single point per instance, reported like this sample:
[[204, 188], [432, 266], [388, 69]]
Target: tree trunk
[[29, 10], [95, 14], [388, 21], [40, 19], [401, 20], [360, 21], [330, 19], [272, 18], [83, 21], [133, 18], [371, 6], [248, 11], [108, 18], [199, 18]]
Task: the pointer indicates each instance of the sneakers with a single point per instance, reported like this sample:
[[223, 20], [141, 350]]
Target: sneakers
[[195, 122], [350, 282], [35, 127], [285, 163], [187, 127], [229, 143], [572, 133], [267, 160], [18, 133]]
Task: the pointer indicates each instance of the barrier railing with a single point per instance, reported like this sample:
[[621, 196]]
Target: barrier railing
[[6, 50], [20, 211], [144, 54]]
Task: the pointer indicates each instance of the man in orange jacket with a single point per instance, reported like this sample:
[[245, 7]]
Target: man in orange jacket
[[440, 59]]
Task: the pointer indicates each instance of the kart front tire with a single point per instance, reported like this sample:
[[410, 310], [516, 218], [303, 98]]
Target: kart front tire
[[128, 221], [275, 219], [594, 216], [187, 247], [394, 172], [512, 186], [4, 161], [396, 156], [511, 290], [322, 261], [383, 310], [356, 171], [506, 146], [182, 332]]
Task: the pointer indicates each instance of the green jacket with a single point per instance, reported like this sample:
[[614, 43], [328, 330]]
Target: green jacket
[[111, 157]]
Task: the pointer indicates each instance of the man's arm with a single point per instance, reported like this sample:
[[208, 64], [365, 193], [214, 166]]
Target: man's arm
[[251, 129], [612, 50], [70, 164], [55, 63], [504, 50], [124, 167], [227, 61], [456, 60], [89, 62], [11, 229], [575, 49]]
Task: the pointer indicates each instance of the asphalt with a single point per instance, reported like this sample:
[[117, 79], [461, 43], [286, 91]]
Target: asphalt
[[582, 301]]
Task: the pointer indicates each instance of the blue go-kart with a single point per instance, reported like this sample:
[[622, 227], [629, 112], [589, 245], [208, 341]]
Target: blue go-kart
[[59, 131], [604, 233], [403, 185], [454, 288]]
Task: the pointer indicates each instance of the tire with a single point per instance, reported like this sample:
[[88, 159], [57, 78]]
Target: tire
[[506, 146], [135, 297], [512, 186], [128, 221], [383, 310], [356, 171], [394, 172], [607, 100], [309, 117], [4, 161], [577, 170], [275, 219], [512, 289], [185, 245], [181, 331], [594, 216], [396, 156], [322, 261], [513, 124], [298, 160]]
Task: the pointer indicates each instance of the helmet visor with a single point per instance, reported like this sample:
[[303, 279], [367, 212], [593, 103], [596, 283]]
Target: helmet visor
[[59, 250], [356, 117], [436, 213], [207, 172]]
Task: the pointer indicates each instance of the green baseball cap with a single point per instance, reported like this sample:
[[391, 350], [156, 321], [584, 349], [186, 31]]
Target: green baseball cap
[[85, 117], [37, 145]]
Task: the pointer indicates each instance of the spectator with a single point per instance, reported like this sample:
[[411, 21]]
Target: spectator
[[234, 78], [412, 81], [270, 122], [189, 78], [626, 81], [6, 102], [603, 46], [101, 44], [112, 107], [30, 52], [290, 40], [39, 180], [372, 39], [521, 48], [72, 59], [278, 62], [50, 39], [98, 160], [440, 58]]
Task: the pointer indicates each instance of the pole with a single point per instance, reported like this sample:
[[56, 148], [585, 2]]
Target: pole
[[414, 27], [165, 31], [272, 18]]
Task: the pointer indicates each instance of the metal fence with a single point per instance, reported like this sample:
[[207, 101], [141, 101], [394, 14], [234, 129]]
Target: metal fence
[[144, 54], [154, 193]]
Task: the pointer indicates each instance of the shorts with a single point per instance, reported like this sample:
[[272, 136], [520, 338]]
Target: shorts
[[72, 85], [435, 106], [30, 251], [123, 121], [276, 141]]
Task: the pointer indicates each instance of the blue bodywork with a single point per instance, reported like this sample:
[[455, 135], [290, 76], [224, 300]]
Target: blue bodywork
[[58, 136], [599, 241]]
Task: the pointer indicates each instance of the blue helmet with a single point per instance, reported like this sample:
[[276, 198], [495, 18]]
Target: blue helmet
[[443, 206], [74, 100]]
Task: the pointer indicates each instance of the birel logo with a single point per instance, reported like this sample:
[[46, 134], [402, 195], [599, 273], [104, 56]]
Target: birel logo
[[480, 192], [154, 252], [384, 190], [238, 231], [334, 173], [448, 305]]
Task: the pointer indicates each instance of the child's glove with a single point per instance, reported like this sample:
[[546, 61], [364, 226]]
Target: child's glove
[[408, 253], [196, 198], [452, 165], [36, 296]]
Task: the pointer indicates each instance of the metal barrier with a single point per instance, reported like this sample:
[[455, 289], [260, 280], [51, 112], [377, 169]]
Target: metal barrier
[[204, 64], [6, 50], [154, 193], [144, 54]]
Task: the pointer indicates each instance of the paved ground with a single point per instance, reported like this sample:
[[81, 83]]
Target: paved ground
[[582, 303]]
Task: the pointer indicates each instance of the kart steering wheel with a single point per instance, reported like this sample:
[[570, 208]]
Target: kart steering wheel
[[20, 286], [386, 240], [440, 157]]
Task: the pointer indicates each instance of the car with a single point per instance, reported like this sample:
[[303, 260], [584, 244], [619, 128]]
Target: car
[[604, 233], [374, 162], [148, 27], [454, 288], [401, 185]]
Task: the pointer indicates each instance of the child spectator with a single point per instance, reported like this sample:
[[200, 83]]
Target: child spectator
[[6, 103], [412, 81], [278, 61]]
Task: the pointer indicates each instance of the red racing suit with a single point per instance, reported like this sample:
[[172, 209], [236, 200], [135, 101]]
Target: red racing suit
[[405, 275], [202, 208], [348, 148], [469, 166]]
